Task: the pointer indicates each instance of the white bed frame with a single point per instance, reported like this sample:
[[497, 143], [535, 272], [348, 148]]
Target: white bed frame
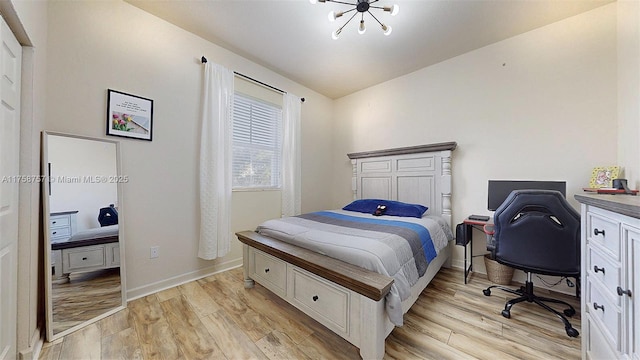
[[419, 174]]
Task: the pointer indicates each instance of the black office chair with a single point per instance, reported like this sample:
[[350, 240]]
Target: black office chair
[[537, 231]]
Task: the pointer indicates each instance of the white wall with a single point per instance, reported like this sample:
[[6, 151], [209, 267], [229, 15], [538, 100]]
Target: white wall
[[95, 46], [629, 90], [539, 106], [77, 166]]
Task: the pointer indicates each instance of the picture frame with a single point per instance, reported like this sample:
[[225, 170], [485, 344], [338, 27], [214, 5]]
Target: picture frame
[[602, 176], [129, 116]]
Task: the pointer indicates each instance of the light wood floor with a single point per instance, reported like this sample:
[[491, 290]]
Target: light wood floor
[[85, 296], [216, 318]]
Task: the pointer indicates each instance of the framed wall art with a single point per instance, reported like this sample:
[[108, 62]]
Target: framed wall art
[[129, 115], [602, 176]]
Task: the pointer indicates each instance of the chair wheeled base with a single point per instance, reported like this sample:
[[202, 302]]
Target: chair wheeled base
[[526, 294]]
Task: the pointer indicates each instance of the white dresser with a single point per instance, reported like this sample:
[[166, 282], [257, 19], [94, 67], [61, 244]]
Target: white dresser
[[62, 225], [611, 290]]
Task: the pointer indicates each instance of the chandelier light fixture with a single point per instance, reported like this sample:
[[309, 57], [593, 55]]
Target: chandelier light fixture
[[359, 7]]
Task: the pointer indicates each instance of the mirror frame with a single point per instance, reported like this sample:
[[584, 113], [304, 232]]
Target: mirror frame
[[48, 278]]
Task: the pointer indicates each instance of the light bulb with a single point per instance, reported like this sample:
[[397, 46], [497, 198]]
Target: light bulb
[[334, 15], [361, 28], [335, 34], [387, 29], [393, 9]]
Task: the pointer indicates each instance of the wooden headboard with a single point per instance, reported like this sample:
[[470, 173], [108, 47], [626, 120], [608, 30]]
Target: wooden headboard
[[416, 174]]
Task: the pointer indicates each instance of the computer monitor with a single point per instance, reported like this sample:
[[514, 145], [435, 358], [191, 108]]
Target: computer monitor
[[499, 190]]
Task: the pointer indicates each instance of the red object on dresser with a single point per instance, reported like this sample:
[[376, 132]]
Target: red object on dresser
[[607, 191]]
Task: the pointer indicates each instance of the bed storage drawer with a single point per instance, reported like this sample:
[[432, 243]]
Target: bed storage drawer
[[326, 302], [268, 271], [83, 258]]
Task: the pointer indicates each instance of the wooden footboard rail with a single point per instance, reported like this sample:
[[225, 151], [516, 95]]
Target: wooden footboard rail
[[347, 299], [367, 283]]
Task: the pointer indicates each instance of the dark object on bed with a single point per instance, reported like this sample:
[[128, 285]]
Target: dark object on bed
[[537, 231], [108, 216], [380, 210]]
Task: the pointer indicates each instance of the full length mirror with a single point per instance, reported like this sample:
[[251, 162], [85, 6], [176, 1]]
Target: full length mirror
[[84, 250]]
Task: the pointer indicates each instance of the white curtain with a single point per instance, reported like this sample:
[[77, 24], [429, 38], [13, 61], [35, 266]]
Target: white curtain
[[291, 165], [215, 162]]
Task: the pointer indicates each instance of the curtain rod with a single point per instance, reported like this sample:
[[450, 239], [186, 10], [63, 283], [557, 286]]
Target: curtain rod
[[204, 60]]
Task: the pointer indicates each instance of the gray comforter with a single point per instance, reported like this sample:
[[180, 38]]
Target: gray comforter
[[398, 247]]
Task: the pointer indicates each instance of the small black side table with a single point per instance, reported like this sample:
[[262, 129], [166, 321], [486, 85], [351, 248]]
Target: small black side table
[[464, 236]]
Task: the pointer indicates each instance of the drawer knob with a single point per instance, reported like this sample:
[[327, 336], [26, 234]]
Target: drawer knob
[[84, 258], [596, 306], [266, 270], [596, 269], [623, 292], [54, 222], [55, 232], [597, 232], [315, 297]]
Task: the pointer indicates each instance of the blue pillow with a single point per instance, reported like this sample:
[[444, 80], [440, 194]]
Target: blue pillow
[[394, 208]]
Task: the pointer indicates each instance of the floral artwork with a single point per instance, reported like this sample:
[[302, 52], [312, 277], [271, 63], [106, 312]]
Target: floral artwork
[[602, 176], [126, 122], [129, 116], [120, 121]]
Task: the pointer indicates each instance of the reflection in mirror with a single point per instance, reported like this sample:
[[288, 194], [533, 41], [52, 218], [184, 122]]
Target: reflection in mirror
[[83, 228]]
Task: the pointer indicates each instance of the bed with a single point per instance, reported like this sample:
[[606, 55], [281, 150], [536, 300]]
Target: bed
[[88, 250], [361, 303]]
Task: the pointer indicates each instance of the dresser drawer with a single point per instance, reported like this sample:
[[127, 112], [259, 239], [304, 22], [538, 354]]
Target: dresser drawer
[[60, 221], [603, 311], [60, 233], [84, 258], [324, 301], [606, 233], [607, 272], [269, 271], [596, 343]]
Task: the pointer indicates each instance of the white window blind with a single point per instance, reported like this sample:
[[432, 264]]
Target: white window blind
[[257, 143]]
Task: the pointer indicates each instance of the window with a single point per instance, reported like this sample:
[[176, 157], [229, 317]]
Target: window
[[257, 143]]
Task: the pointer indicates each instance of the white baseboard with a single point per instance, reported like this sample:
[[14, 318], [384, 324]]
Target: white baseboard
[[458, 264], [35, 346], [153, 288]]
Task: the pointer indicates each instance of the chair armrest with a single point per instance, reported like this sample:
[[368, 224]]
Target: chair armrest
[[491, 241]]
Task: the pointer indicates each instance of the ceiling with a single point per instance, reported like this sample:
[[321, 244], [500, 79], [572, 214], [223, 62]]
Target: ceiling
[[293, 37]]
